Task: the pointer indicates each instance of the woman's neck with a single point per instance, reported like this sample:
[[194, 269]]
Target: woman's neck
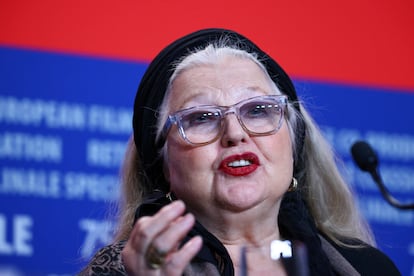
[[252, 229], [251, 226]]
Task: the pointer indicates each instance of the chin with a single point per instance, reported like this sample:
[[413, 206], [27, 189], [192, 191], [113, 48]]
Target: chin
[[241, 199]]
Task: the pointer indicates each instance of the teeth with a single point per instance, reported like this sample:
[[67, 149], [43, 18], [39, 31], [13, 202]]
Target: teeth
[[239, 163]]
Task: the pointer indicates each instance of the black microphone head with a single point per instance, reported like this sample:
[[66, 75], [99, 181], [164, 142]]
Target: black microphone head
[[364, 156]]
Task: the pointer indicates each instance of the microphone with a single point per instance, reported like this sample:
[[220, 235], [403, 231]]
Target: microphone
[[367, 160]]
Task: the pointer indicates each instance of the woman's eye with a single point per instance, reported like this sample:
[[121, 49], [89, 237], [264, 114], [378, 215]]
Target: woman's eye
[[199, 118], [261, 110], [257, 110]]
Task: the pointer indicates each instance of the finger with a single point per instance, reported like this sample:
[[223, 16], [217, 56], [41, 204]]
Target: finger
[[134, 252], [177, 261], [146, 228], [170, 238]]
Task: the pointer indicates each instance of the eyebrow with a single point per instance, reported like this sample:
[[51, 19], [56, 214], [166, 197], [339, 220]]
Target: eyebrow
[[209, 98]]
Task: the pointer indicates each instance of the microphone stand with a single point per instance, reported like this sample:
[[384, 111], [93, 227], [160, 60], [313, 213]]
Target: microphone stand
[[386, 194]]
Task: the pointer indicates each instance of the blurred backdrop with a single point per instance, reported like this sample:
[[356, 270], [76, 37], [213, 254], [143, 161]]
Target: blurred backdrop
[[69, 71]]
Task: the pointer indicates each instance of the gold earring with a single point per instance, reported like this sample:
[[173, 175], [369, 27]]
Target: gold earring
[[293, 185], [169, 197]]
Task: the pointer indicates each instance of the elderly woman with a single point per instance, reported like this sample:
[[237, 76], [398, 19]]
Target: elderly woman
[[225, 159]]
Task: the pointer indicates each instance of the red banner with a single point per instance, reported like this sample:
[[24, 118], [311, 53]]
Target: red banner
[[361, 42]]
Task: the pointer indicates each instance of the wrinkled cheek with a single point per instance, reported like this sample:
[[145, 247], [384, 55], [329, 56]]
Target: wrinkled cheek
[[187, 161], [281, 161], [184, 173]]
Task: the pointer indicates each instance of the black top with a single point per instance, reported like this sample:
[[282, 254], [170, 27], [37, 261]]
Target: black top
[[213, 258], [368, 260]]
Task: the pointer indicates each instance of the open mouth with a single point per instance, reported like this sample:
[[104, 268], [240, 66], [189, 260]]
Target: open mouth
[[240, 165]]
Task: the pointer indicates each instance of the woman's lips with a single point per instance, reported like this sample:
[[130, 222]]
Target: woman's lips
[[240, 164]]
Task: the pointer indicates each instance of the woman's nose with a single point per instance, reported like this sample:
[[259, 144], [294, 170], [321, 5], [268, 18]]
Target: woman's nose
[[233, 132]]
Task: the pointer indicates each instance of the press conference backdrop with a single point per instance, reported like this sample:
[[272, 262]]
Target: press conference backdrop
[[67, 85]]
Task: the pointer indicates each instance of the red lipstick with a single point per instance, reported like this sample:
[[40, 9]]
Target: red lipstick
[[240, 164]]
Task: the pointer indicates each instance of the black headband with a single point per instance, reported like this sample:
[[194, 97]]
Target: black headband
[[154, 84]]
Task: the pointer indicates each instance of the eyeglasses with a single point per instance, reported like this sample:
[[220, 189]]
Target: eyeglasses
[[201, 125]]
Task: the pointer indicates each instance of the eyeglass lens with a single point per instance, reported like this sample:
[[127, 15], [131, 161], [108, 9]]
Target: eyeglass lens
[[258, 117]]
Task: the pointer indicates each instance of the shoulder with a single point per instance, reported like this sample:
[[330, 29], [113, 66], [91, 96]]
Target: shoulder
[[368, 260], [107, 261]]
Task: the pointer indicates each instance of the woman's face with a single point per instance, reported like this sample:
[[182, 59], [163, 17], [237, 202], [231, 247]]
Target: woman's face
[[202, 176]]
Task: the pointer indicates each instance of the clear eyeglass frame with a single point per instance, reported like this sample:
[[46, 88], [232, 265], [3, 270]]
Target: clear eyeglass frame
[[276, 101]]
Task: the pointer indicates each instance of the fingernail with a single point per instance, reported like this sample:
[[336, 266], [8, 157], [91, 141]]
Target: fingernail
[[195, 242], [177, 205], [189, 219]]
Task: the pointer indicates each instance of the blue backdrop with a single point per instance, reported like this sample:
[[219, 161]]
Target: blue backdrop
[[64, 123]]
